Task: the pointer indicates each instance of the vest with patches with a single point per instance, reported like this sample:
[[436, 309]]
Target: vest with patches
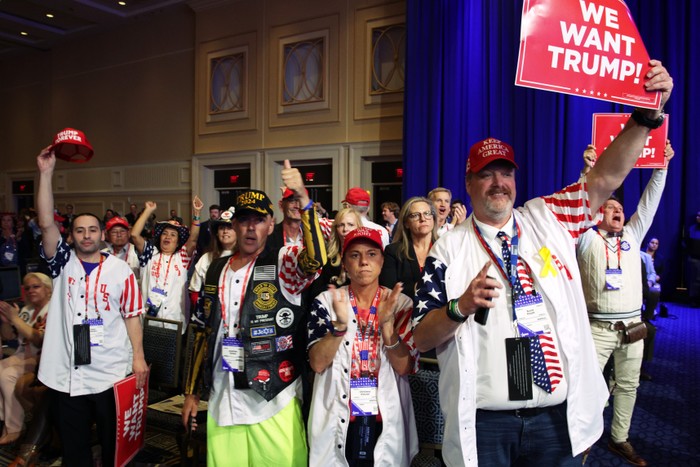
[[271, 328]]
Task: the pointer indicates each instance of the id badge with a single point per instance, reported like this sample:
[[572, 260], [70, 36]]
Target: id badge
[[613, 279], [97, 332], [158, 291], [363, 397], [232, 354], [532, 316]]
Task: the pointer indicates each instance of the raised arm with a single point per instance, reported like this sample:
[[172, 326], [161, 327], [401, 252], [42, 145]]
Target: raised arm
[[313, 257], [617, 160], [136, 237], [50, 235], [191, 243]]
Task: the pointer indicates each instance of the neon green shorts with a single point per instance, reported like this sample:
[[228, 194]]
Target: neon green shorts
[[278, 441]]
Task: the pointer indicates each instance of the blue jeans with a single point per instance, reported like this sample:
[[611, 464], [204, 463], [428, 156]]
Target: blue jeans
[[502, 438]]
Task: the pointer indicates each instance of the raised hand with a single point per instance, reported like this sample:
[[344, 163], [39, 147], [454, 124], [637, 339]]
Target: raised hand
[[46, 160], [197, 203], [479, 292], [387, 304]]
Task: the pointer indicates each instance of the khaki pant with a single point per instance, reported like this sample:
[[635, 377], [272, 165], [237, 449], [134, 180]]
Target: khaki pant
[[628, 362]]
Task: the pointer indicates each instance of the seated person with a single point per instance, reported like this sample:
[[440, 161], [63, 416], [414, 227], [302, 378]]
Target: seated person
[[27, 326]]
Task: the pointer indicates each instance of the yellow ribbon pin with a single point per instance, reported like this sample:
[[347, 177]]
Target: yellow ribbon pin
[[548, 267]]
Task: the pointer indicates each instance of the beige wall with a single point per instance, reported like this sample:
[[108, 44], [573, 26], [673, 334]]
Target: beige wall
[[138, 91]]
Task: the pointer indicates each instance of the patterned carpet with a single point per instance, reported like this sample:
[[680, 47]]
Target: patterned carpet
[[665, 423]]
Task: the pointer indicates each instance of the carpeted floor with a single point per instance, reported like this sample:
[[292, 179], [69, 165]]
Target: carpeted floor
[[665, 422]]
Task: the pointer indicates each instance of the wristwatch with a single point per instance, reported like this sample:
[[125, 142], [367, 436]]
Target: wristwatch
[[643, 120]]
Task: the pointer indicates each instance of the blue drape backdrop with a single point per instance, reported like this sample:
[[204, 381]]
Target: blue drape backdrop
[[460, 69]]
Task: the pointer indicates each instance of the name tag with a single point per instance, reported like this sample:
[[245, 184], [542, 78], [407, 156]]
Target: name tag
[[532, 316], [363, 397], [158, 291], [232, 354], [613, 279], [97, 332]]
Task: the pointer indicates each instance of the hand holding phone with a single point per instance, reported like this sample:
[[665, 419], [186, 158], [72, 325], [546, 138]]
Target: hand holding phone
[[482, 314]]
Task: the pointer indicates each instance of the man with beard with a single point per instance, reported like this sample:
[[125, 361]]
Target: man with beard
[[92, 331], [502, 302], [610, 271]]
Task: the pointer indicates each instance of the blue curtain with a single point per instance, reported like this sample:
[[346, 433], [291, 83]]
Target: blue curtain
[[460, 70]]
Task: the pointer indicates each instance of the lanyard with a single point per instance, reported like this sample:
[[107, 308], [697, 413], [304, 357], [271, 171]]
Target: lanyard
[[607, 258], [366, 339], [167, 270], [94, 293], [222, 290], [510, 276]]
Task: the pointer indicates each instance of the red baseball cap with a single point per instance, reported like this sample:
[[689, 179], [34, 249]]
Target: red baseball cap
[[71, 145], [287, 193], [363, 233], [357, 197], [484, 152], [115, 221]]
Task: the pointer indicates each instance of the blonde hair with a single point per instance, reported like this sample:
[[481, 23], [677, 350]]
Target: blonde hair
[[335, 245], [41, 277]]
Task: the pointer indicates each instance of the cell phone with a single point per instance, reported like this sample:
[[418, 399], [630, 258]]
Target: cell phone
[[482, 314]]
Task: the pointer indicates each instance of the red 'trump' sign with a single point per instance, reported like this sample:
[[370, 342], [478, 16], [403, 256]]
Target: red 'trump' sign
[[606, 127], [585, 48]]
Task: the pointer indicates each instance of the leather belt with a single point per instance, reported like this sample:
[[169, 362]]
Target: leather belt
[[526, 412]]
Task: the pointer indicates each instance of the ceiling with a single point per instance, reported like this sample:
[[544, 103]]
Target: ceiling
[[70, 18]]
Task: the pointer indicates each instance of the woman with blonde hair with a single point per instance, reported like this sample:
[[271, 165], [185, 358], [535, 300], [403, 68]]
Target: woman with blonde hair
[[27, 326], [346, 220]]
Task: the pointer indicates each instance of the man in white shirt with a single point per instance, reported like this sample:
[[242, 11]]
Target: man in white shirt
[[93, 334], [611, 274], [502, 302]]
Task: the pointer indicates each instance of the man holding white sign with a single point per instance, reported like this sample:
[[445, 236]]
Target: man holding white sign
[[503, 287]]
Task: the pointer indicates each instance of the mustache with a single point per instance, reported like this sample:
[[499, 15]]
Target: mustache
[[494, 190]]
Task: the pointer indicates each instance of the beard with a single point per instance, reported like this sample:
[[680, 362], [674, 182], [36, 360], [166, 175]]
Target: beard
[[500, 211]]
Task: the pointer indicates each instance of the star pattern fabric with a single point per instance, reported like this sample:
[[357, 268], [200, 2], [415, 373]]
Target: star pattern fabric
[[431, 293], [319, 322], [539, 369], [505, 252]]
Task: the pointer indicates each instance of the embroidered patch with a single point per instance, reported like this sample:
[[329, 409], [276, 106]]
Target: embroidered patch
[[265, 294], [263, 377], [625, 246], [284, 343], [284, 318], [286, 371], [262, 331], [259, 347]]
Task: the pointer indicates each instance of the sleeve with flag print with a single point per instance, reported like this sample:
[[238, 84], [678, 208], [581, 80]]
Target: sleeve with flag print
[[131, 301], [431, 292], [319, 323], [572, 209]]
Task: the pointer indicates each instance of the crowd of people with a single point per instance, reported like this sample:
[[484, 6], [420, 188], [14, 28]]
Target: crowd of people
[[312, 324]]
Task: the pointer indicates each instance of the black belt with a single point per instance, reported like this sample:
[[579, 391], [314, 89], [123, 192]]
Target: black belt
[[525, 413]]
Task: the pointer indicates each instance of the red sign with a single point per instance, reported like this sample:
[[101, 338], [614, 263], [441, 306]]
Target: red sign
[[584, 48], [132, 404], [606, 127]]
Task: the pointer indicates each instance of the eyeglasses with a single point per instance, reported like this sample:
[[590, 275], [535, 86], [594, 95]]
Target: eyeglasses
[[425, 214]]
